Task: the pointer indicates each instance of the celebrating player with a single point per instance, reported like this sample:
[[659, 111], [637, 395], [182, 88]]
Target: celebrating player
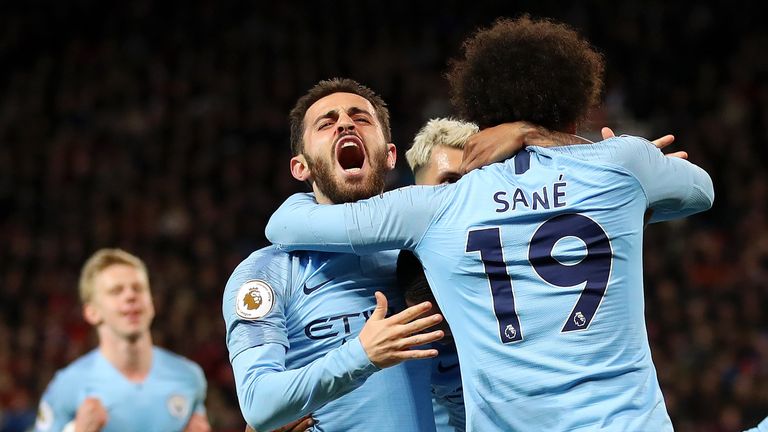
[[535, 262], [296, 323], [126, 384]]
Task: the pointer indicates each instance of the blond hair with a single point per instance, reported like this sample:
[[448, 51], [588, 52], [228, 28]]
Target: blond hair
[[440, 131], [99, 261]]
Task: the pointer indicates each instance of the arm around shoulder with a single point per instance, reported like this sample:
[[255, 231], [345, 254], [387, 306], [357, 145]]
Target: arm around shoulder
[[674, 187]]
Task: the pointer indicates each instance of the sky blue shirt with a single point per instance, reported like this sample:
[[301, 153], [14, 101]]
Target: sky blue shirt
[[762, 427], [536, 263], [174, 389], [447, 393], [297, 352]]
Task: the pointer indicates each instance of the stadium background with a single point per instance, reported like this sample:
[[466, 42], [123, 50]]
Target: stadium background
[[160, 127]]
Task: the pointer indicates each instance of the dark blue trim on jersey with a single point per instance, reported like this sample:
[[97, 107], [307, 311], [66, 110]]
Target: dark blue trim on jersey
[[522, 162]]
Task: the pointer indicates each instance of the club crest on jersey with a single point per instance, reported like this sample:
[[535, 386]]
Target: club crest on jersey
[[178, 406], [255, 299], [44, 419]]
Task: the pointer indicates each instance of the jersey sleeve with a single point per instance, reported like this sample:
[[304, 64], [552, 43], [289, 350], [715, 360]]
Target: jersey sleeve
[[269, 275], [394, 220], [202, 391], [271, 396], [57, 406], [673, 187]]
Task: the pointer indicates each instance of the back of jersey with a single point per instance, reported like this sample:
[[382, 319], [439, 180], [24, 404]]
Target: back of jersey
[[545, 293]]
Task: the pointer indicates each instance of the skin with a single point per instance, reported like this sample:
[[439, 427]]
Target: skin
[[325, 123], [386, 340], [121, 310], [443, 166]]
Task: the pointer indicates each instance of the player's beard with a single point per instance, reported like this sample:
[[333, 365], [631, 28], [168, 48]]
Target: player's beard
[[339, 191]]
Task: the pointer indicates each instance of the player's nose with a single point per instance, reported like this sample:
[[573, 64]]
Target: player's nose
[[345, 123]]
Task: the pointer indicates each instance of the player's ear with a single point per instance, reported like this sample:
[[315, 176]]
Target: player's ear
[[91, 314], [299, 168], [391, 155]]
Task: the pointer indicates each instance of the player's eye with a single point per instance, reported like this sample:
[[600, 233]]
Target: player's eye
[[362, 119], [324, 125], [449, 179]]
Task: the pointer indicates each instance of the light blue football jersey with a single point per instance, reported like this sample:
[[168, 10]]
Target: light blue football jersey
[[762, 427], [536, 264], [295, 350], [447, 393], [174, 389]]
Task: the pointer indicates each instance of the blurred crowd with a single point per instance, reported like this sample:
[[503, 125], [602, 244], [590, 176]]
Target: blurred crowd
[[161, 128]]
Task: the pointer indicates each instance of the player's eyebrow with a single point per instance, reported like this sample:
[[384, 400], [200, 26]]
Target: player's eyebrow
[[334, 113], [355, 110], [330, 114]]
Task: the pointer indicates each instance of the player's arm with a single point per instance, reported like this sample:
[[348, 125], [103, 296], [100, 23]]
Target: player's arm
[[674, 187], [271, 396], [393, 220], [498, 143], [198, 421], [301, 425], [57, 407]]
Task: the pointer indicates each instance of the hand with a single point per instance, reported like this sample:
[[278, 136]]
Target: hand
[[387, 341], [300, 425], [91, 416], [660, 143], [498, 143], [198, 423]]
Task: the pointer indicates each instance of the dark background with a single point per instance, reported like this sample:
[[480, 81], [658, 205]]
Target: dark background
[[161, 128]]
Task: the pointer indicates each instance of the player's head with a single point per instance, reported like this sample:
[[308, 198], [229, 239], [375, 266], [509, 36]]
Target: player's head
[[114, 289], [524, 69], [340, 140], [437, 150], [415, 288]]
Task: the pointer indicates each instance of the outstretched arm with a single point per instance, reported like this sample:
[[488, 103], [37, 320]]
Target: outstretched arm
[[394, 220]]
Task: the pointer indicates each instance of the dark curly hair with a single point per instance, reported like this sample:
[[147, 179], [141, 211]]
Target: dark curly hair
[[523, 69], [328, 87]]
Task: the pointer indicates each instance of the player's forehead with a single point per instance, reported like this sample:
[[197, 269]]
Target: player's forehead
[[442, 160], [119, 274], [446, 158], [340, 102]]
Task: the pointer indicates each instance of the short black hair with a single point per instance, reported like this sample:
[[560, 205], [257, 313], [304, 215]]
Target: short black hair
[[328, 87], [523, 69]]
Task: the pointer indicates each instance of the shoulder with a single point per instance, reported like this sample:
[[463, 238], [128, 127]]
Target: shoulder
[[263, 259], [178, 364], [68, 379], [628, 149], [262, 282], [80, 367], [625, 153], [269, 264]]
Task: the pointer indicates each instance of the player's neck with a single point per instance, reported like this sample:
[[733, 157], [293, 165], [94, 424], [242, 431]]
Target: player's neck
[[132, 357], [320, 196]]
